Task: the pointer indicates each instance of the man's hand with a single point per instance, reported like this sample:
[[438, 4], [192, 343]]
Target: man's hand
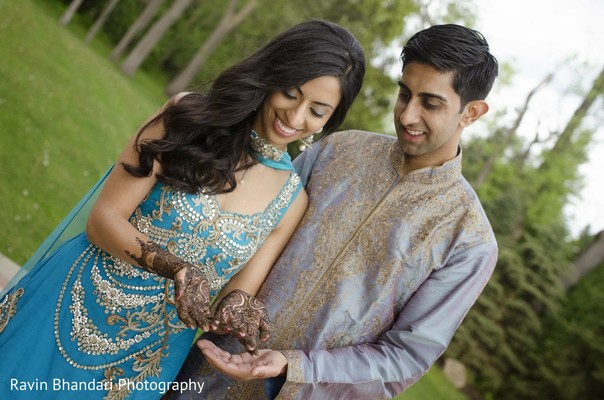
[[244, 366], [244, 316]]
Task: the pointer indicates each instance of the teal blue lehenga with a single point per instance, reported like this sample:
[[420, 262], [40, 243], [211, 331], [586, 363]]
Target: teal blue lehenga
[[83, 324]]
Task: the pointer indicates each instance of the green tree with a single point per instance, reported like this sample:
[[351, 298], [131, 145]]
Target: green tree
[[571, 353], [524, 195]]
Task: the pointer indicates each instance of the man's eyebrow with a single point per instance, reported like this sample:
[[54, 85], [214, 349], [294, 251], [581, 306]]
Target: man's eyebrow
[[316, 102], [423, 94]]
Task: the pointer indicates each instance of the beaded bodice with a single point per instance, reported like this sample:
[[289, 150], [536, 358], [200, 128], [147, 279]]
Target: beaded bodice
[[195, 228], [111, 313]]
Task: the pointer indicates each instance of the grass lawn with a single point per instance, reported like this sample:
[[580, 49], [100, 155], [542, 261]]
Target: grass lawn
[[432, 386], [65, 113]]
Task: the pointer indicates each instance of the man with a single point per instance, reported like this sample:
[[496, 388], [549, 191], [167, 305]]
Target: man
[[393, 250]]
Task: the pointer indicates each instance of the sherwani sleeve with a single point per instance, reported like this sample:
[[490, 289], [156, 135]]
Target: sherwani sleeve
[[400, 356]]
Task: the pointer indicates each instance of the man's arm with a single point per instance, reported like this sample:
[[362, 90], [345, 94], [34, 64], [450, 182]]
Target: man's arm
[[401, 355]]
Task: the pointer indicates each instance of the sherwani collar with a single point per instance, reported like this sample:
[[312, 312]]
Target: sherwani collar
[[449, 171]]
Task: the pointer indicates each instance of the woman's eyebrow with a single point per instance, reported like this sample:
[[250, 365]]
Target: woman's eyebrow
[[316, 102]]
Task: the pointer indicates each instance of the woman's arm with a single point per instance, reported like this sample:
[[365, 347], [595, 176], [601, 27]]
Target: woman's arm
[[255, 271], [108, 227], [237, 310]]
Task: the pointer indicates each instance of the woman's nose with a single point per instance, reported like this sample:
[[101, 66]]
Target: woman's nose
[[295, 116]]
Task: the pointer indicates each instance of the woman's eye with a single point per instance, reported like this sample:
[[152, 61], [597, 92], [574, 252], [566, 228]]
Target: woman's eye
[[289, 95], [316, 113]]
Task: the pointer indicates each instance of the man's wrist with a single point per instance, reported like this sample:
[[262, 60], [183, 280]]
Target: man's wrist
[[283, 371]]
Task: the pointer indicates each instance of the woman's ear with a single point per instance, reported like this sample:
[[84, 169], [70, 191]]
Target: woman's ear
[[474, 110]]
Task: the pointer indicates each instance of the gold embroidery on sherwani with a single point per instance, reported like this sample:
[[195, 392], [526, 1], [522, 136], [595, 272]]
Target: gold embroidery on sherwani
[[380, 238], [294, 372], [8, 307]]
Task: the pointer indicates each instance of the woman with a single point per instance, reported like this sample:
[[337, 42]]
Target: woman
[[198, 207]]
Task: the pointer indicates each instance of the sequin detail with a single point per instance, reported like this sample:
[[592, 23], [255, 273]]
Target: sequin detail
[[138, 309], [8, 307]]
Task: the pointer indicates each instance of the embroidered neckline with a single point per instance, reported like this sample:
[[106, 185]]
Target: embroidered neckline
[[449, 171]]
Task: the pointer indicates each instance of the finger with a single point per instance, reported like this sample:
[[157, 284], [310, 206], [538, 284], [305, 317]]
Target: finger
[[214, 356], [209, 347], [206, 344], [179, 285], [265, 328], [250, 344], [182, 310], [214, 359], [263, 371], [201, 318]]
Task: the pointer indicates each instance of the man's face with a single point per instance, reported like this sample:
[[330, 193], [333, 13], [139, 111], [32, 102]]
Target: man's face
[[427, 116]]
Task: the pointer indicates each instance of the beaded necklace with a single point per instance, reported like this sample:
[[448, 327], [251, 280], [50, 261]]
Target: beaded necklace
[[264, 148]]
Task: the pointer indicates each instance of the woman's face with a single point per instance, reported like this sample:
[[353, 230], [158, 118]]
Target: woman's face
[[292, 114]]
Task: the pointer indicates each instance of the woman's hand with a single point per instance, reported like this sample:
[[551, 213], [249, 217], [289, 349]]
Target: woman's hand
[[244, 316], [192, 289], [193, 298]]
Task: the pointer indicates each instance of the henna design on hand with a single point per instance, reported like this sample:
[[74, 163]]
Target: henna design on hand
[[193, 299], [192, 292], [244, 316]]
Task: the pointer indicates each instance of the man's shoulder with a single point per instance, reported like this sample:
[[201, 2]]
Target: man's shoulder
[[476, 220]]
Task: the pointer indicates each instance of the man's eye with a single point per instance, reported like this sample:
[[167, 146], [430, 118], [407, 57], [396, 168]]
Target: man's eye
[[403, 96]]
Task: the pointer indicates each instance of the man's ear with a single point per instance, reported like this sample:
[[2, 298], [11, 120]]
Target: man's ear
[[474, 110]]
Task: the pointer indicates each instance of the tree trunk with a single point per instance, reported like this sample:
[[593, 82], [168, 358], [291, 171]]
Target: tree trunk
[[100, 20], [508, 134], [228, 22], [141, 22], [566, 137], [585, 262], [70, 12], [153, 36]]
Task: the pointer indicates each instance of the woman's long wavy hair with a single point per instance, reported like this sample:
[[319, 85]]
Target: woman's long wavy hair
[[207, 137]]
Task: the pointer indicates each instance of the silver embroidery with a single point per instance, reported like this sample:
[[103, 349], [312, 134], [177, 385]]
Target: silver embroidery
[[141, 304]]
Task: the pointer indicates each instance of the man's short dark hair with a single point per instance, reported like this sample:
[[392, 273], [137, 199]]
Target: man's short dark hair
[[457, 49]]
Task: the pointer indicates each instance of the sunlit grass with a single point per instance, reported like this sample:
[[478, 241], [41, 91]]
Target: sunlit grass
[[432, 386], [65, 113]]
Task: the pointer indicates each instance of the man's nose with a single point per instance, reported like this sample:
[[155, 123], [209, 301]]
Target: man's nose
[[410, 113]]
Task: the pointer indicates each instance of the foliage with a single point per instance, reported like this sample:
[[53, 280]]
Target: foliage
[[377, 35], [569, 361], [524, 196]]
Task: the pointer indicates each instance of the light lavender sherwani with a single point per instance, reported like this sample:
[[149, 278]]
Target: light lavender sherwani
[[376, 279]]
